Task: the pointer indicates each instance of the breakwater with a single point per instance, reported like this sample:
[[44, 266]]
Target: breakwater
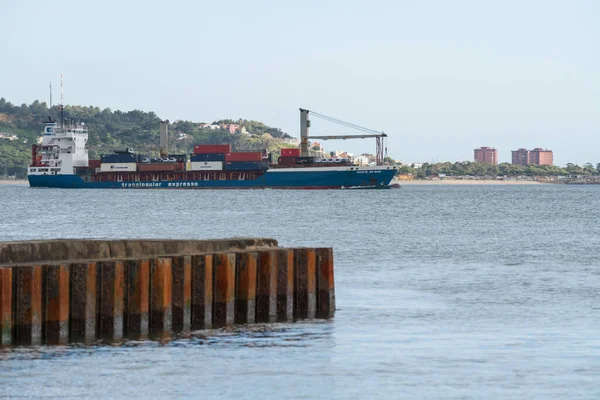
[[60, 291]]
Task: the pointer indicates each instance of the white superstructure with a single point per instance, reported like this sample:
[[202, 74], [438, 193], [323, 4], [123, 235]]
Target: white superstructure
[[62, 149]]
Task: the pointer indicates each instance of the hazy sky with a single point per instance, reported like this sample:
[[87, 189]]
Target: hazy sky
[[440, 77]]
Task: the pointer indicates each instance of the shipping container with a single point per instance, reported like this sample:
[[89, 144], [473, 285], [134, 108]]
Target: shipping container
[[245, 166], [94, 163], [212, 148], [118, 158], [84, 170], [295, 152], [160, 167], [118, 167], [206, 166], [207, 157], [244, 156], [286, 160], [305, 160]]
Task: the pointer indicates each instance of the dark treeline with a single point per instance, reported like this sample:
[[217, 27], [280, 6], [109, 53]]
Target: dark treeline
[[468, 168]]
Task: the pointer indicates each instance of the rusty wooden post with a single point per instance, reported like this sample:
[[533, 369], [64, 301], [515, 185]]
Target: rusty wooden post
[[245, 298], [161, 286], [224, 289], [305, 292], [182, 293], [325, 283], [137, 298], [111, 287], [56, 304], [82, 302], [5, 306], [285, 285], [266, 287], [27, 295], [202, 291]]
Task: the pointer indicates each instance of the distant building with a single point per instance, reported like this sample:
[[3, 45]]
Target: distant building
[[520, 157], [8, 136], [486, 155], [361, 160], [539, 156]]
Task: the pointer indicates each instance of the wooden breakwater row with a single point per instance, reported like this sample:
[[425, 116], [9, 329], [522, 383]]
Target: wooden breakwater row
[[118, 297]]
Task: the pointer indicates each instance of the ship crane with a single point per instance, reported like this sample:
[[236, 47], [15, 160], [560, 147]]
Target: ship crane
[[379, 137]]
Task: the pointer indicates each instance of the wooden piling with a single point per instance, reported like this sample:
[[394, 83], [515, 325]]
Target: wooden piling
[[109, 298], [266, 287], [182, 293], [82, 303], [285, 284], [245, 297], [56, 304], [202, 291], [6, 306], [110, 307], [27, 305], [137, 298], [224, 289], [305, 291], [325, 283], [161, 289]]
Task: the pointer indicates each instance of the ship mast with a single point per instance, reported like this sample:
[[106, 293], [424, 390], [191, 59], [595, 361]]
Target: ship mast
[[61, 101], [164, 138]]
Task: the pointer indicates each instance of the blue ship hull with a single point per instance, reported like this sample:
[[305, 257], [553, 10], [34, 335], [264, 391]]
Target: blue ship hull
[[279, 178]]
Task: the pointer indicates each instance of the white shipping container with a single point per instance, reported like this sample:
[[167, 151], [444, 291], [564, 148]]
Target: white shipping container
[[120, 167], [206, 166]]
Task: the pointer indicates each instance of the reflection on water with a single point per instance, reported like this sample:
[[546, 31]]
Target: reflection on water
[[300, 334]]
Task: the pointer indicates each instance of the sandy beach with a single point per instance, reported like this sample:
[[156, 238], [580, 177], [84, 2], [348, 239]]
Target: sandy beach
[[13, 182], [465, 182]]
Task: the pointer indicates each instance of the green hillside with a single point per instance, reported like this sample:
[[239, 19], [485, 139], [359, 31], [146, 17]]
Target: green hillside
[[110, 130]]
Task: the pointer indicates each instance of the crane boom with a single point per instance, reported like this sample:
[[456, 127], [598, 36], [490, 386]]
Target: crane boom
[[344, 137], [305, 124]]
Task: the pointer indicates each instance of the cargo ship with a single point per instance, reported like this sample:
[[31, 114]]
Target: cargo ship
[[61, 161]]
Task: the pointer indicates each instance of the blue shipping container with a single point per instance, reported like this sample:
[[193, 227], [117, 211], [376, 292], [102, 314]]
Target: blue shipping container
[[207, 157], [118, 158], [244, 166]]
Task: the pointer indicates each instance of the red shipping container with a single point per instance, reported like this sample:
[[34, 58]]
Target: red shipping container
[[212, 148], [291, 152], [94, 163], [166, 167], [244, 156]]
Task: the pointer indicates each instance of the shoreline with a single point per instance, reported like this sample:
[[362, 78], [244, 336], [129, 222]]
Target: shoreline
[[13, 182], [466, 182]]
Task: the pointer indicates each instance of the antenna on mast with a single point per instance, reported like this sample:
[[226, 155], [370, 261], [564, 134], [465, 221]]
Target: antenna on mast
[[61, 101]]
